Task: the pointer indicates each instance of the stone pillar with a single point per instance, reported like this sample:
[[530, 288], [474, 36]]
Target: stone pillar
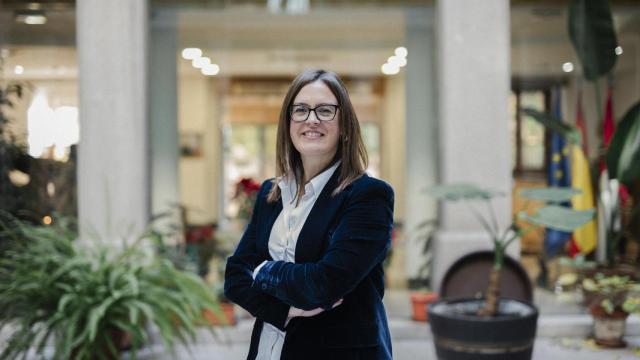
[[473, 94], [113, 154], [421, 136], [164, 114]]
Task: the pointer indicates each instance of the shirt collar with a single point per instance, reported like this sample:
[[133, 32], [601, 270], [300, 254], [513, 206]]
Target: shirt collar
[[289, 187]]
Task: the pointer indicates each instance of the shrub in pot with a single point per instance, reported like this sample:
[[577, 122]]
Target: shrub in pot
[[495, 327], [87, 298], [612, 299]]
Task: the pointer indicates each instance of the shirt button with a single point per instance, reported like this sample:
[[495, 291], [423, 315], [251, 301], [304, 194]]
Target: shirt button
[[264, 286]]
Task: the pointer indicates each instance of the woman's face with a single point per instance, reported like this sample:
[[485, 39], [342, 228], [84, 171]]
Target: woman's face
[[315, 140]]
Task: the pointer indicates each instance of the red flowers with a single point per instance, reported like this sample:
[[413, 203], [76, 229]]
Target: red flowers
[[246, 193]]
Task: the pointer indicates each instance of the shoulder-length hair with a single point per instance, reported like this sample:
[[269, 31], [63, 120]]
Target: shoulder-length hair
[[351, 150]]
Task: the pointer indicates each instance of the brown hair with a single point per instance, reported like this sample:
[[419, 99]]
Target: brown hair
[[351, 148]]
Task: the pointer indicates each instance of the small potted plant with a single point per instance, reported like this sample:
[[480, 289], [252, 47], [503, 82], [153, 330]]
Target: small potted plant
[[421, 296], [214, 253], [613, 299], [90, 299], [494, 327]]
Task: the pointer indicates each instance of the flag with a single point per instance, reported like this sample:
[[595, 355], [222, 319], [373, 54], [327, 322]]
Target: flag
[[558, 175], [612, 193], [585, 236]]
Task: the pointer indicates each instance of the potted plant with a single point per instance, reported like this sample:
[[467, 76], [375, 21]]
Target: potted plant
[[612, 300], [495, 327], [421, 296], [89, 299], [213, 255], [594, 39]]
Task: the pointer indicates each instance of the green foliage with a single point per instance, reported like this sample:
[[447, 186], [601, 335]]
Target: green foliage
[[569, 132], [559, 217], [554, 195], [593, 36], [54, 289], [612, 292], [623, 155], [461, 191], [551, 216]]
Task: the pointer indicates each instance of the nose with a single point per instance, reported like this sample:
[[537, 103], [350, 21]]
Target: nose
[[314, 119]]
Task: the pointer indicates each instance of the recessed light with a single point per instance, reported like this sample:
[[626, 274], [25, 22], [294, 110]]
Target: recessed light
[[401, 51], [201, 62], [210, 69], [567, 67], [30, 17], [191, 53]]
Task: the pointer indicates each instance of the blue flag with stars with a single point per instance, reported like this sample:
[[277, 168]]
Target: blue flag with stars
[[559, 175]]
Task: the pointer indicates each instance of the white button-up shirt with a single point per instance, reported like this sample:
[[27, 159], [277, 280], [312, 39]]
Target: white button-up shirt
[[282, 244]]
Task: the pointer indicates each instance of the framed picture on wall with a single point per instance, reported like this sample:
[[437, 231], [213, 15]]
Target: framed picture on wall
[[191, 145]]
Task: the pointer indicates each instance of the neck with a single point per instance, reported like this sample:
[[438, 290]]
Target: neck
[[313, 167]]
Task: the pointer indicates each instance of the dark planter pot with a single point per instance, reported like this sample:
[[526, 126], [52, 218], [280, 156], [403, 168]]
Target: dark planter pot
[[459, 334]]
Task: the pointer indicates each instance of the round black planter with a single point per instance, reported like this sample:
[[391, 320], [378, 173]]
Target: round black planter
[[459, 334]]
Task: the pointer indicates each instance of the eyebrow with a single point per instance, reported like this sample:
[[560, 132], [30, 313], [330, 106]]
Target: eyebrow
[[321, 104]]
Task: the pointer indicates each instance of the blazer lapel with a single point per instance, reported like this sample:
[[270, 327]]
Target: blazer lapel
[[310, 240], [271, 214]]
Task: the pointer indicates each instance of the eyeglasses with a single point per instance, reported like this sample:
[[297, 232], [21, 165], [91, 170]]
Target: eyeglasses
[[300, 113]]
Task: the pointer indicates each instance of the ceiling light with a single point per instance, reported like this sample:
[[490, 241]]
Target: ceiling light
[[397, 61], [18, 70], [567, 67], [390, 69], [201, 62], [30, 17], [210, 69], [191, 53], [401, 51], [618, 50]]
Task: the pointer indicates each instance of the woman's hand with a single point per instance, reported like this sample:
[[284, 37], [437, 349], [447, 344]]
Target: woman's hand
[[295, 312]]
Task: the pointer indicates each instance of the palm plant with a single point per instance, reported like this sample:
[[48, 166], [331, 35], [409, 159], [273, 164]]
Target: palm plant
[[54, 290], [551, 216]]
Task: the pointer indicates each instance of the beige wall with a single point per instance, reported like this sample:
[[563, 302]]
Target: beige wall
[[198, 104], [393, 139]]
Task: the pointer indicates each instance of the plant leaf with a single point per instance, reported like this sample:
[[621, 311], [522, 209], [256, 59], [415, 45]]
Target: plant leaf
[[569, 132], [550, 194], [559, 217], [458, 191], [623, 154], [593, 36]]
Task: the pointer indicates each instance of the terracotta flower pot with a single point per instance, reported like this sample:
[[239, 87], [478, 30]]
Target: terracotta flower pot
[[419, 302], [609, 328], [228, 315]]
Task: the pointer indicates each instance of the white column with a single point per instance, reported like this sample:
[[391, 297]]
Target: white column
[[113, 154], [421, 135], [164, 114], [473, 93]]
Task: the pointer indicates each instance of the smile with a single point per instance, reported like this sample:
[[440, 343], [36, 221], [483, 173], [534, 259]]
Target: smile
[[312, 134]]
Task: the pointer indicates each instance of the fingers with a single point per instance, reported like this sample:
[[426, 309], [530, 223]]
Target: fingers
[[313, 312], [309, 313]]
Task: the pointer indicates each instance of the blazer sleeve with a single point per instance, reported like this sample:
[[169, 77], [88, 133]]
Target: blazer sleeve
[[360, 241], [239, 270]]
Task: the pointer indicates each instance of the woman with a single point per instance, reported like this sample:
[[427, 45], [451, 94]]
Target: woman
[[309, 265]]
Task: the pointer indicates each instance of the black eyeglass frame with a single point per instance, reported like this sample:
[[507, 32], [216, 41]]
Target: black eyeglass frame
[[336, 108]]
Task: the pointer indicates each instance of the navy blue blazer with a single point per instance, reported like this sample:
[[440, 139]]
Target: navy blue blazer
[[339, 255]]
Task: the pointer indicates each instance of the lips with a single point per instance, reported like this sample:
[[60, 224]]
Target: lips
[[310, 134]]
